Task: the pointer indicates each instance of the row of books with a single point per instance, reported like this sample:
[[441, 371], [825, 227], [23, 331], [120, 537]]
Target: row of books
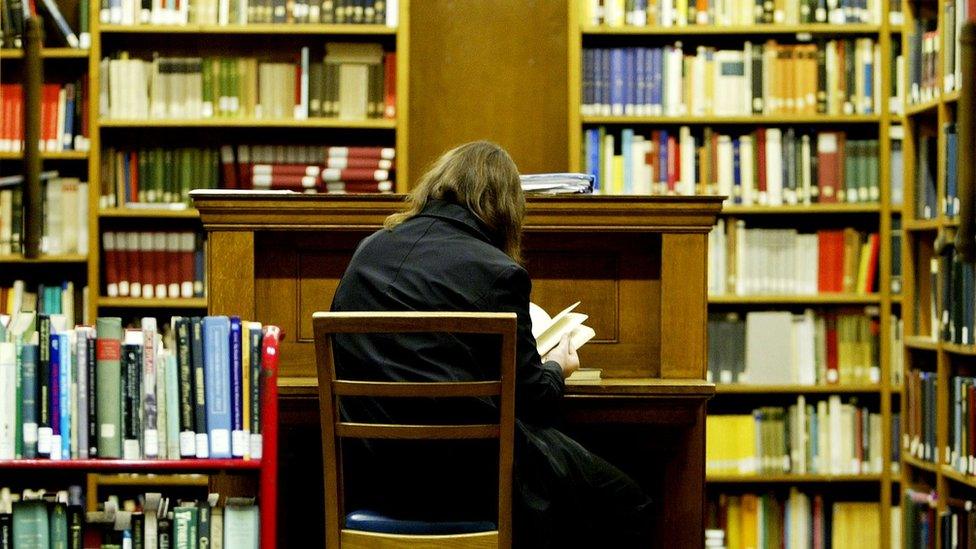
[[924, 52], [825, 437], [955, 14], [782, 348], [106, 392], [16, 12], [832, 77], [64, 117], [767, 166], [65, 217], [919, 430], [752, 261], [355, 81], [682, 13], [919, 509], [961, 453], [796, 520], [53, 299], [333, 169], [42, 519], [156, 176], [242, 12], [154, 265], [957, 280], [958, 524]]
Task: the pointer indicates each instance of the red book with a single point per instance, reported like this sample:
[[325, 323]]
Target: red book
[[227, 168], [761, 162], [269, 435], [147, 276], [362, 163], [833, 374], [389, 85], [300, 170], [385, 153], [674, 163], [134, 264], [172, 256], [655, 162], [359, 187], [186, 274], [84, 108], [162, 279], [823, 266], [293, 182], [355, 174], [828, 168], [134, 177], [874, 241], [122, 263], [111, 264], [7, 123]]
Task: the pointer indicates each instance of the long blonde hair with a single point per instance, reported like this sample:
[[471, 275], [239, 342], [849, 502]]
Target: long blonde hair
[[483, 178]]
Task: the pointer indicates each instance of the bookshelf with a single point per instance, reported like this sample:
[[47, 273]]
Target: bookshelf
[[927, 273], [874, 216], [221, 40]]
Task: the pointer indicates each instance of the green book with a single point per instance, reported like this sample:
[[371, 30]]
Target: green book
[[145, 175], [108, 368], [872, 172], [207, 88], [185, 528], [18, 399], [31, 525], [58, 523], [849, 192]]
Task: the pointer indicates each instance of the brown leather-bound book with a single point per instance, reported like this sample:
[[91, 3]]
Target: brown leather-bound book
[[33, 77]]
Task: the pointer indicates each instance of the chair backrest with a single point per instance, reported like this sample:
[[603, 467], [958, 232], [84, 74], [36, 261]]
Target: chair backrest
[[331, 388]]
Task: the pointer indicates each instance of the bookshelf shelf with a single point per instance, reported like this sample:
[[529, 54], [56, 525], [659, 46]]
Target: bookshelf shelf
[[918, 463], [802, 209], [59, 155], [46, 53], [950, 97], [925, 107], [733, 30], [789, 478], [956, 349], [921, 343], [818, 299], [134, 465], [961, 478], [149, 213], [50, 259], [167, 303], [733, 120], [150, 479], [922, 225], [255, 28], [367, 124], [752, 389]]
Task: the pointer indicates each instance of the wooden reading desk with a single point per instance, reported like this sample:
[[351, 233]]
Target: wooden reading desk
[[637, 264]]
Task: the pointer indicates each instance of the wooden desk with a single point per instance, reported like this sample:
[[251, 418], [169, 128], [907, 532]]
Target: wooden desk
[[636, 263]]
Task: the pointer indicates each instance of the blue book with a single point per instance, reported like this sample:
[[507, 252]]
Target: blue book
[[617, 81], [69, 109], [955, 443], [626, 144], [237, 440], [657, 80], [605, 81], [593, 153], [640, 77], [587, 91], [29, 388], [869, 87], [64, 397], [736, 172], [54, 402], [662, 158], [31, 526], [630, 72], [952, 162], [216, 366]]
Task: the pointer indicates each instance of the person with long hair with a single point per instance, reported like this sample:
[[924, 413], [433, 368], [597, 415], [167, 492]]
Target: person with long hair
[[457, 247]]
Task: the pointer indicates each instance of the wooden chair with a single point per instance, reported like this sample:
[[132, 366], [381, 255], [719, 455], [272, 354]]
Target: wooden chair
[[333, 428]]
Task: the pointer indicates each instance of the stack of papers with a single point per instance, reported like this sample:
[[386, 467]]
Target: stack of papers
[[557, 183]]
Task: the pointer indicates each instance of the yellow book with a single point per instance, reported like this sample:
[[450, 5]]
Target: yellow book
[[733, 520], [862, 268], [681, 6], [618, 175], [745, 444], [750, 522]]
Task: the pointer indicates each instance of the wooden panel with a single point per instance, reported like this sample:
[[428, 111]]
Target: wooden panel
[[489, 70], [683, 321], [230, 268]]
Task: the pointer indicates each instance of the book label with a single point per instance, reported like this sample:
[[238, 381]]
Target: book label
[[106, 430], [44, 435], [151, 442], [257, 445], [220, 441], [203, 446], [130, 449], [188, 444]]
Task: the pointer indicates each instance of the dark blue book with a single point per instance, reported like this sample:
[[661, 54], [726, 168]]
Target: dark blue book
[[951, 206], [617, 76], [255, 335], [199, 389], [662, 158], [736, 171], [657, 79], [54, 405], [630, 77], [217, 379], [640, 77], [237, 439]]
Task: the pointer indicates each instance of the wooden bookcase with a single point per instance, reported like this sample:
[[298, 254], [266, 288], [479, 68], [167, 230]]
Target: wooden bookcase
[[921, 237], [218, 39], [741, 397]]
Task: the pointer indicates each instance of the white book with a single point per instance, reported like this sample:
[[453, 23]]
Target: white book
[[8, 400], [549, 331], [150, 416], [835, 419], [81, 219], [688, 177], [747, 170], [241, 526], [803, 332], [769, 336], [729, 81], [725, 161], [774, 167]]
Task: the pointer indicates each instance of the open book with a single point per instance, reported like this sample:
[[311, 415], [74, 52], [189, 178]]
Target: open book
[[548, 332]]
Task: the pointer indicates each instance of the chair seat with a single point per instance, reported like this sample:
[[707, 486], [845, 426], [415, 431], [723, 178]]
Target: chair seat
[[371, 521]]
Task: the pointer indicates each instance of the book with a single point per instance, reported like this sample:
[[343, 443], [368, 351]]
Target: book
[[241, 524], [549, 331], [108, 371], [217, 372]]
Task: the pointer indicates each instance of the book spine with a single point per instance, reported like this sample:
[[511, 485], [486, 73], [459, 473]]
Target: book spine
[[29, 387], [199, 389], [236, 363], [150, 434], [254, 363], [81, 372], [65, 386], [44, 431], [217, 363], [54, 403], [131, 393], [8, 402]]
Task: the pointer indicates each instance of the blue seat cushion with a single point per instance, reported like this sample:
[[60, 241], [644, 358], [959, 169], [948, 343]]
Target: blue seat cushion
[[371, 521]]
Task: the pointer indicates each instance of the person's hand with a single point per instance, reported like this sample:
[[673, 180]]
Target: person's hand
[[565, 355]]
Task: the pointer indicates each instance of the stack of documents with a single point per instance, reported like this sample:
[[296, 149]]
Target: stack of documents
[[557, 183]]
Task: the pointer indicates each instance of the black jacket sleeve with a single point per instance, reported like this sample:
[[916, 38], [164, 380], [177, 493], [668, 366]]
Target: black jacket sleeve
[[538, 385]]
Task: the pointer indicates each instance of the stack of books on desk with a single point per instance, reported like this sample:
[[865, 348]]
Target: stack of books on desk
[[557, 183]]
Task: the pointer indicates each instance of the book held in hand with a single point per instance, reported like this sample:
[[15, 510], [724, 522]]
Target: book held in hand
[[548, 331]]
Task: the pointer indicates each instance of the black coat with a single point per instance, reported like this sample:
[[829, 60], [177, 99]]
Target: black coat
[[444, 259]]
